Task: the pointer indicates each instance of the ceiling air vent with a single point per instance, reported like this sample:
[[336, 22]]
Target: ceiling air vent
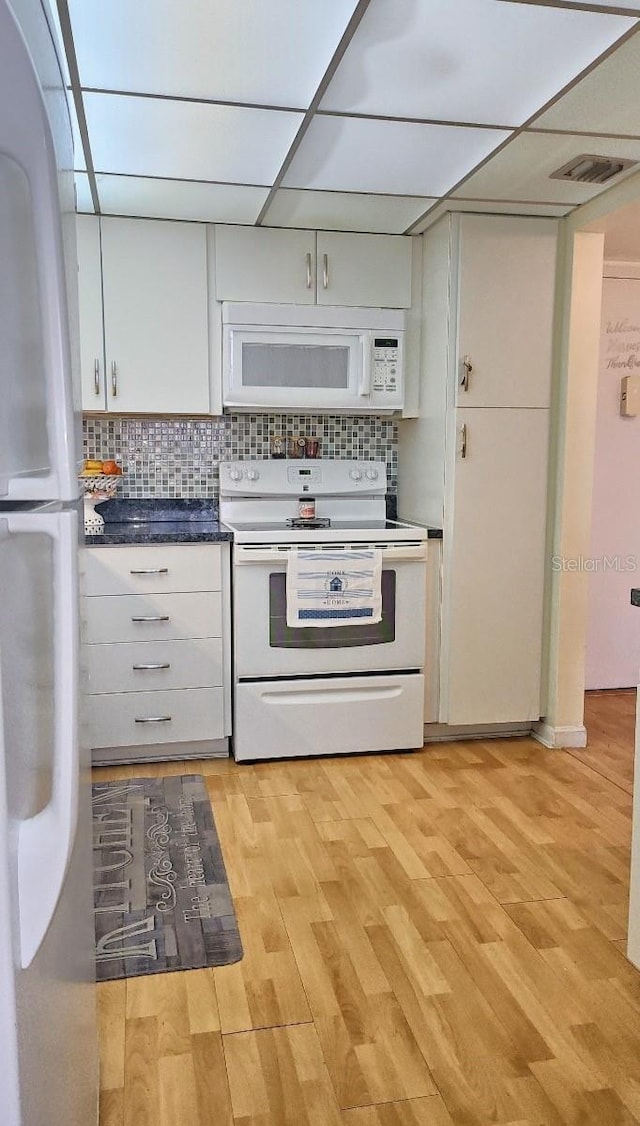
[[588, 169]]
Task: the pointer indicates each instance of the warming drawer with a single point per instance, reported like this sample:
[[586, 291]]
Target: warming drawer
[[328, 716]]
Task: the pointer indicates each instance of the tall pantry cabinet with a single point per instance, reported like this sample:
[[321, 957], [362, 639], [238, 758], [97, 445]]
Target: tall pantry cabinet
[[476, 457]]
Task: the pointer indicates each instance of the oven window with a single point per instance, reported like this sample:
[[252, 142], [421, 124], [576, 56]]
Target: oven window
[[282, 636], [295, 365]]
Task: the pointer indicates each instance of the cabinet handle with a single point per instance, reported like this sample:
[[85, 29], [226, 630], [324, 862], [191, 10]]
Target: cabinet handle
[[463, 446], [114, 378], [96, 376], [308, 269], [467, 368], [153, 719], [151, 571], [145, 668], [151, 618], [325, 271]]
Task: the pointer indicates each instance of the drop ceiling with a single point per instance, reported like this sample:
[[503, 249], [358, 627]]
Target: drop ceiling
[[374, 115]]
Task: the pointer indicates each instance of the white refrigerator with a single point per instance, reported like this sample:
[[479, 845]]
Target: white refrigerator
[[48, 1056]]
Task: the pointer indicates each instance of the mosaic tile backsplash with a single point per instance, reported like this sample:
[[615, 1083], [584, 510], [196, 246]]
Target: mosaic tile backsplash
[[169, 457]]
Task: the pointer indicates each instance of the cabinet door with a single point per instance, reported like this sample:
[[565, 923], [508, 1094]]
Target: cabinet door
[[371, 270], [493, 578], [270, 265], [94, 396], [505, 310], [155, 316]]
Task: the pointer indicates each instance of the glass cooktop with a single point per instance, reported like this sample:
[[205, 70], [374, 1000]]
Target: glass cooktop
[[334, 525]]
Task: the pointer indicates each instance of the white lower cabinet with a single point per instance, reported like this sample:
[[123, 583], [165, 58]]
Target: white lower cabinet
[[157, 651], [494, 567], [139, 718]]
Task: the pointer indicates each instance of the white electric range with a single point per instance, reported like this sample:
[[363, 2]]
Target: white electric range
[[338, 689]]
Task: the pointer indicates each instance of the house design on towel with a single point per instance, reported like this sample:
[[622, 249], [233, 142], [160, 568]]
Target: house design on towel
[[336, 585]]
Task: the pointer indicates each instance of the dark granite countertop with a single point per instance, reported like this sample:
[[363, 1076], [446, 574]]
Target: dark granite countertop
[[131, 521], [635, 596]]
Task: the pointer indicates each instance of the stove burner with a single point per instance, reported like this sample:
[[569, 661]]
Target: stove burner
[[312, 522]]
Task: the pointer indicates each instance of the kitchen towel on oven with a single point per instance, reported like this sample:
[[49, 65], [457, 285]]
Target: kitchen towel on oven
[[334, 588]]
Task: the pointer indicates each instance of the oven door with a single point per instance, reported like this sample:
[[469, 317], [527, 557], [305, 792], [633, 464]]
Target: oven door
[[265, 646]]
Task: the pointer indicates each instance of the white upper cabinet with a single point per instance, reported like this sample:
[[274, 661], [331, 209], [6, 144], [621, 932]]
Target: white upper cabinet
[[370, 270], [302, 268], [260, 264], [144, 337], [155, 316], [91, 321], [506, 281]]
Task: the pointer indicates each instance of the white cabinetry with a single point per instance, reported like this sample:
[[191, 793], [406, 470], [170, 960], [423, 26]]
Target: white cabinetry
[[156, 651], [505, 310], [91, 319], [302, 267], [494, 568], [143, 292], [260, 264], [485, 413]]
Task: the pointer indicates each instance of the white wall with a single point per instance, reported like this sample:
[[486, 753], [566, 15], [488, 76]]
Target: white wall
[[613, 637], [579, 298]]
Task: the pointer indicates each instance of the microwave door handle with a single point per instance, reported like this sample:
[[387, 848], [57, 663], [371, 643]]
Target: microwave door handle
[[365, 378]]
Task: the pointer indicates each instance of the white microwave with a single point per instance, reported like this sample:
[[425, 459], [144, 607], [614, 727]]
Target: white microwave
[[312, 358]]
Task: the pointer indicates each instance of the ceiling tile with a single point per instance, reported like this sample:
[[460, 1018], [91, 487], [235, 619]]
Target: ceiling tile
[[53, 19], [180, 199], [522, 169], [271, 53], [627, 5], [84, 202], [187, 140], [606, 101], [466, 60], [360, 155], [488, 207], [78, 152], [343, 211]]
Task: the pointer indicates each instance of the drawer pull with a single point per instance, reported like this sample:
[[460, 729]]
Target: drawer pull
[[151, 571], [151, 618], [153, 719], [143, 668]]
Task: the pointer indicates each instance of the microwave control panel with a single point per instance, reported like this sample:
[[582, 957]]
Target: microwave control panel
[[386, 363]]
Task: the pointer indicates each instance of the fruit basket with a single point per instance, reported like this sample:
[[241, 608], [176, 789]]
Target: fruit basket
[[96, 487]]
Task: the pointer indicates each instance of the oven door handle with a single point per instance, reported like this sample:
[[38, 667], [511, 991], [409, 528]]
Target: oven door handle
[[392, 553]]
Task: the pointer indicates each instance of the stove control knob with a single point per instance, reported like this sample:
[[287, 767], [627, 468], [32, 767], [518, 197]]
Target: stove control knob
[[235, 474], [372, 474], [252, 474], [355, 474]]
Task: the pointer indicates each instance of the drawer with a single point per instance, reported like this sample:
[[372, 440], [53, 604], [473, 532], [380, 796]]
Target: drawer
[[186, 715], [157, 617], [328, 716], [145, 666], [147, 568]]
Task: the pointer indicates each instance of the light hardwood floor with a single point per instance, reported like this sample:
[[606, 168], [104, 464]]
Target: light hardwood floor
[[430, 938]]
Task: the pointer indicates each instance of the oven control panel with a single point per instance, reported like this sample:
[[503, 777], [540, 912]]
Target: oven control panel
[[304, 477], [293, 477]]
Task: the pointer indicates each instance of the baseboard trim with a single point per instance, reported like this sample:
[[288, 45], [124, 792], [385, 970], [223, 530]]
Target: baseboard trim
[[559, 737]]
